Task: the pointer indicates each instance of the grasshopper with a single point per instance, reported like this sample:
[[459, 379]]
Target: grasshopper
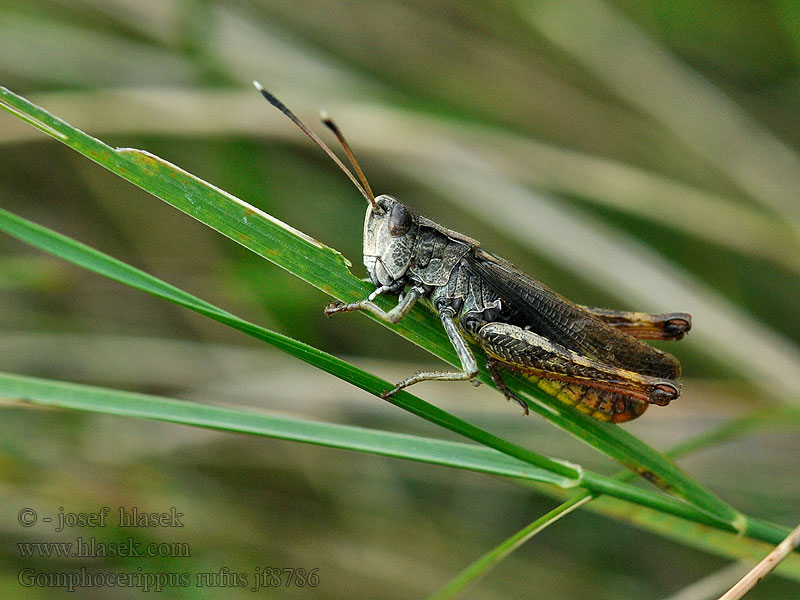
[[589, 357]]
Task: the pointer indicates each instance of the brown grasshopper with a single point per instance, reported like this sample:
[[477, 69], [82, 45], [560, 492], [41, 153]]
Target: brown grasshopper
[[589, 357]]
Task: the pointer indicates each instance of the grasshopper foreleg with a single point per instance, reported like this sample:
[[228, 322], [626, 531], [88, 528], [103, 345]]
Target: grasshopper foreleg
[[393, 316], [529, 352], [469, 367]]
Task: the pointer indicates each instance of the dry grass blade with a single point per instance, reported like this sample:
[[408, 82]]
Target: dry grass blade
[[762, 569]]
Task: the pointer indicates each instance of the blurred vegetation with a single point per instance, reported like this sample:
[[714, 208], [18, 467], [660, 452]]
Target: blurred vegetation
[[640, 155]]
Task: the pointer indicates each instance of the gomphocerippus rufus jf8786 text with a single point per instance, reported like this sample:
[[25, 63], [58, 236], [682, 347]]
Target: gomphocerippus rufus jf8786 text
[[595, 357]]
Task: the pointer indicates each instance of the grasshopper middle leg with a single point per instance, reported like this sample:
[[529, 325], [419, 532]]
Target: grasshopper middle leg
[[469, 367]]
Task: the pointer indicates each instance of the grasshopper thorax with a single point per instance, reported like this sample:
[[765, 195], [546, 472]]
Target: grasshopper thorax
[[389, 234]]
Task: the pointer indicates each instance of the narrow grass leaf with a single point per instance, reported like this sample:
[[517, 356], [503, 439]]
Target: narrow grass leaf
[[488, 561], [732, 429], [30, 390], [326, 269], [96, 261]]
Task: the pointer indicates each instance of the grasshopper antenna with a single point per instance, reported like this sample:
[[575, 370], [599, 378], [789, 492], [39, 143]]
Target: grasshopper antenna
[[340, 136], [315, 138]]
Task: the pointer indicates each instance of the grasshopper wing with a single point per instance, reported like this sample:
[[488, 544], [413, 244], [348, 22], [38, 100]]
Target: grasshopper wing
[[535, 306]]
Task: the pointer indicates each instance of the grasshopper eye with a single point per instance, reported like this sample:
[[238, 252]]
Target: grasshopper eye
[[399, 220]]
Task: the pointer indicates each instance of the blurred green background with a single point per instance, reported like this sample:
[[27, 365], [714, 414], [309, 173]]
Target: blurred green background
[[637, 155]]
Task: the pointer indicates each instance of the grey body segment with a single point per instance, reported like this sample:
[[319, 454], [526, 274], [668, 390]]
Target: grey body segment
[[435, 256], [594, 354], [520, 323]]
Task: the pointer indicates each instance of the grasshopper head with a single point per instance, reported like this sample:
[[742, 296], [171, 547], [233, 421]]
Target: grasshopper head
[[390, 228], [389, 234]]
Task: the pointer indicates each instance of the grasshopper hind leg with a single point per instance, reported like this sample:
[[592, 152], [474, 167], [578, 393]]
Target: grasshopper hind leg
[[491, 366], [534, 355], [602, 405]]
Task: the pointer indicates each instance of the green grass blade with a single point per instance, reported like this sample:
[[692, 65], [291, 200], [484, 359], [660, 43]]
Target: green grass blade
[[749, 549], [699, 536], [476, 458], [410, 447], [488, 561], [754, 545], [96, 261], [326, 269]]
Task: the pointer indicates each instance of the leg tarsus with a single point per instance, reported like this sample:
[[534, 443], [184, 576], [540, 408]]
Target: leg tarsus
[[334, 307], [394, 315], [386, 394], [468, 373], [501, 385], [469, 368]]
